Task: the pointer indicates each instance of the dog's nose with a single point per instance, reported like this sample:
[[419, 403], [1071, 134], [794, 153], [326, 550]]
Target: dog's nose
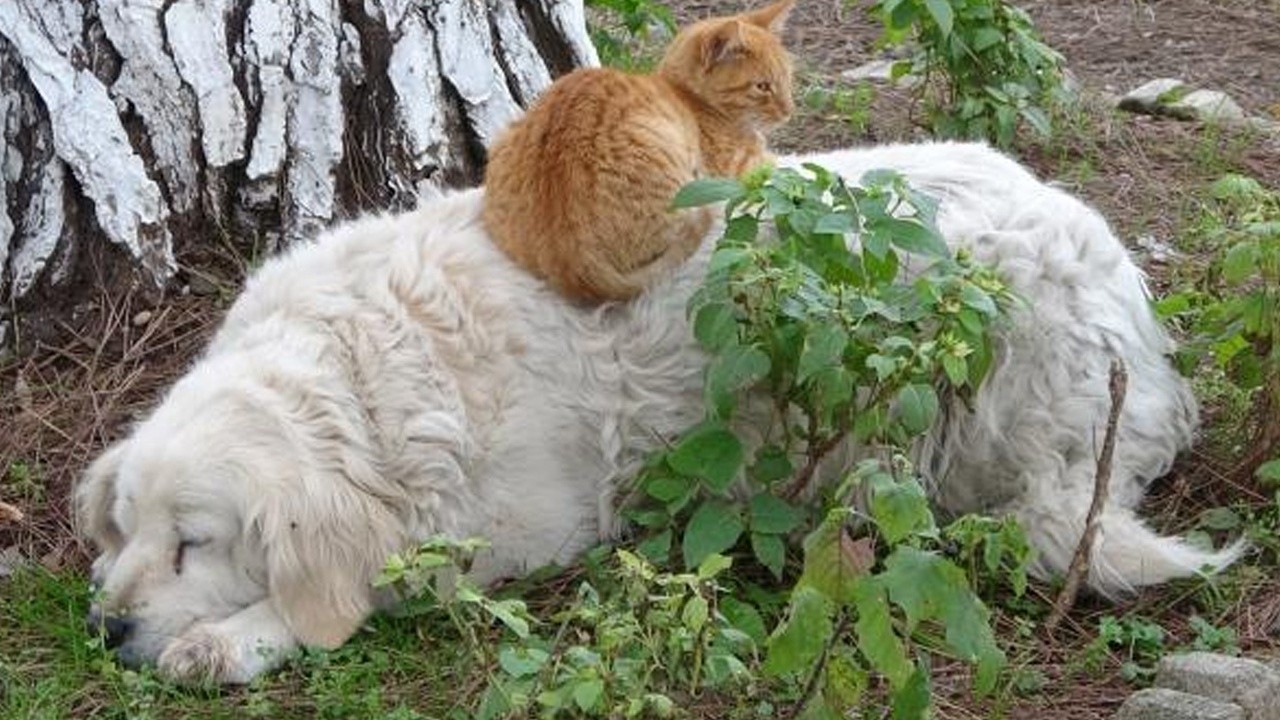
[[115, 630]]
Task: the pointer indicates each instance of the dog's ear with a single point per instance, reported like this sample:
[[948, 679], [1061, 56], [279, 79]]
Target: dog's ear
[[326, 536], [95, 494]]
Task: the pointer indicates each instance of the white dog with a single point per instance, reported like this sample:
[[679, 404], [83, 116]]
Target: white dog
[[401, 378]]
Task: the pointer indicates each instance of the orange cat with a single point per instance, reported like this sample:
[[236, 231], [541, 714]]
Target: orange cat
[[578, 190]]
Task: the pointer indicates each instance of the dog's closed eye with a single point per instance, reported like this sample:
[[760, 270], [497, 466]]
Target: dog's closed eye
[[180, 554]]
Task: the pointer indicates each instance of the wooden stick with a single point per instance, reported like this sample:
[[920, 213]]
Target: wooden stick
[[1079, 568], [9, 513]]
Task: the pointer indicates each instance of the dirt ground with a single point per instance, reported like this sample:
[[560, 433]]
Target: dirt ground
[[62, 403]]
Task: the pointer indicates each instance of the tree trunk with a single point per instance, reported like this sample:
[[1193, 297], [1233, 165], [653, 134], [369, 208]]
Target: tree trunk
[[138, 133]]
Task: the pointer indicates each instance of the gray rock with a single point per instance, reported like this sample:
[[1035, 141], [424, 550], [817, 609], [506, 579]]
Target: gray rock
[[1151, 96], [1248, 683], [879, 71], [11, 560], [1157, 250], [1164, 704], [1206, 105]]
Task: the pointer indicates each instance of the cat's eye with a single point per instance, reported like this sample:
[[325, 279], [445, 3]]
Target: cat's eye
[[764, 86]]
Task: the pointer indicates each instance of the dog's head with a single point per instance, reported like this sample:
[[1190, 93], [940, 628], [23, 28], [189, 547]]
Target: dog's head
[[233, 492]]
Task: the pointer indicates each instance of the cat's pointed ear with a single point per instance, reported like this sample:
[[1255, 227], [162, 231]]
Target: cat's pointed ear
[[772, 18], [723, 43]]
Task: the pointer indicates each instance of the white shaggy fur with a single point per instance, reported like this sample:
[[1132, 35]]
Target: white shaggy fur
[[402, 378]]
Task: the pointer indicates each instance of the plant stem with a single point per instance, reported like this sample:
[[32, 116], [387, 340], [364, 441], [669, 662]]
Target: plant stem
[[1079, 567], [819, 669]]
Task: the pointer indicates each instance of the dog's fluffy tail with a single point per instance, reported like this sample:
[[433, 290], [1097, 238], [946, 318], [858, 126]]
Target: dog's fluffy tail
[[1126, 553]]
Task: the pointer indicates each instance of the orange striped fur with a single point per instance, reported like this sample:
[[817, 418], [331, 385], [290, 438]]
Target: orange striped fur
[[578, 190]]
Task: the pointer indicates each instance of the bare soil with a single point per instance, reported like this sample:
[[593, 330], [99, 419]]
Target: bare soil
[[62, 400]]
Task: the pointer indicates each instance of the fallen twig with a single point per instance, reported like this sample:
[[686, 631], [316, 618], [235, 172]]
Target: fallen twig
[[9, 513], [1079, 567]]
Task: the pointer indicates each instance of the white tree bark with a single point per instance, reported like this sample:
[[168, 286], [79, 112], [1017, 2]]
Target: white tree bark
[[136, 130]]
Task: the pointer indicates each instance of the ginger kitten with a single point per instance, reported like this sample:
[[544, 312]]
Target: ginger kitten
[[578, 190]]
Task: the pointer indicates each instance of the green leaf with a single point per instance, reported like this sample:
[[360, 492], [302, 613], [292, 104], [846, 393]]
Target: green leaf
[[743, 229], [666, 487], [883, 365], [942, 14], [1269, 472], [899, 508], [914, 237], [771, 464], [985, 37], [714, 326], [917, 406], [770, 551], [838, 223], [796, 643], [586, 694], [736, 369], [705, 191], [1240, 262], [773, 515], [927, 586], [876, 637], [695, 612], [957, 370], [713, 565], [709, 451], [834, 387], [834, 562], [714, 528], [657, 548], [823, 347], [912, 702], [511, 613], [846, 682], [521, 661], [744, 616], [974, 297], [1219, 518]]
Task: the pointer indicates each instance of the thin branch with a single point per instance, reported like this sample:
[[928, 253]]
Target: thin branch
[[819, 669], [815, 455], [1079, 567]]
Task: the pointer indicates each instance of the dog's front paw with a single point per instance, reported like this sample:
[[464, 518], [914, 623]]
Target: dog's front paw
[[203, 655]]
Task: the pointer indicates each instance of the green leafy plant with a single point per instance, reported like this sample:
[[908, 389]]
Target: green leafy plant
[[1136, 642], [995, 70], [623, 651], [630, 25], [1234, 315], [1211, 638], [850, 105], [846, 344]]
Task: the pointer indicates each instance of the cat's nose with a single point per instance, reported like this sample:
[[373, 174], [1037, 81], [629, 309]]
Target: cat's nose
[[115, 630]]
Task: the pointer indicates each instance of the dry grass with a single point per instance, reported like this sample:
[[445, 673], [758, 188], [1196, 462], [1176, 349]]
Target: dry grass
[[70, 398]]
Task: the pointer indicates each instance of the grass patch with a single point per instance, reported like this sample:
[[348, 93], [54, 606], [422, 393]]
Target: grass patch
[[50, 668]]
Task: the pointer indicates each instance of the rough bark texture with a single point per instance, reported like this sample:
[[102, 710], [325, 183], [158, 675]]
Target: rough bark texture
[[138, 131]]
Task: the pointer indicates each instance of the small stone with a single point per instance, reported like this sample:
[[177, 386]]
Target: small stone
[[1206, 105], [1164, 704], [11, 561], [1150, 96], [201, 285], [881, 71], [874, 70], [142, 318], [1249, 683], [1156, 249]]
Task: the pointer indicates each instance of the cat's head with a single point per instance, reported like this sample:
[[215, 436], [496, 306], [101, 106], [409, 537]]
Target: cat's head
[[736, 65]]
